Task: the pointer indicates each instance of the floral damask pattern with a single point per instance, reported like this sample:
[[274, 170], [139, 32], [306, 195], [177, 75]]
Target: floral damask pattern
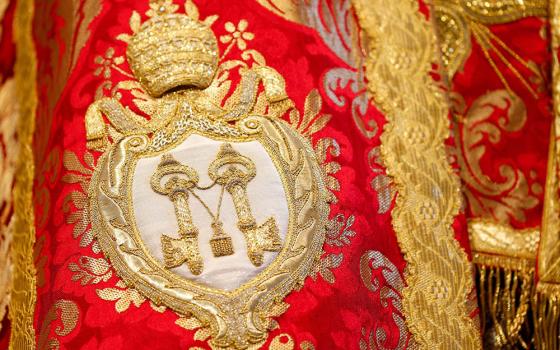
[[374, 268], [508, 194]]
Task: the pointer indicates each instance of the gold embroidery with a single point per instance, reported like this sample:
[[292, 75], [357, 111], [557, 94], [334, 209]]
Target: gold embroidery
[[185, 249], [239, 318], [259, 238], [549, 249], [438, 276], [68, 313], [22, 303], [456, 20], [547, 296], [493, 12], [454, 36], [9, 116]]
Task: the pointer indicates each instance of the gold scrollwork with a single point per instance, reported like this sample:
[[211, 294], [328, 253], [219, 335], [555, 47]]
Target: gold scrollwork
[[489, 197]]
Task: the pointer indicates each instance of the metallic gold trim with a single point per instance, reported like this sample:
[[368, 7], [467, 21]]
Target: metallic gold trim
[[438, 275], [24, 294], [549, 249], [505, 262], [493, 238], [546, 303], [503, 11], [546, 315], [505, 295]]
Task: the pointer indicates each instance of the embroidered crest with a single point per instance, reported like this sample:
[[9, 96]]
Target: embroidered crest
[[211, 211]]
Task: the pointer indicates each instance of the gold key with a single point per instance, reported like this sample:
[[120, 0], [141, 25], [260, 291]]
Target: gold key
[[177, 179], [233, 171]]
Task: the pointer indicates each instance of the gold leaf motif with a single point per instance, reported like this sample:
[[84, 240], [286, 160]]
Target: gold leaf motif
[[76, 204], [123, 296], [134, 21], [339, 232], [67, 312], [323, 148], [90, 270], [282, 342], [202, 334], [191, 10]]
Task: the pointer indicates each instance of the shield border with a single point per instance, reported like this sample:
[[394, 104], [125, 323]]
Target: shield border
[[240, 317]]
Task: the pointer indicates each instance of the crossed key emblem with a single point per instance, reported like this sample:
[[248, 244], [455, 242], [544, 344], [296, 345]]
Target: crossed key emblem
[[232, 172]]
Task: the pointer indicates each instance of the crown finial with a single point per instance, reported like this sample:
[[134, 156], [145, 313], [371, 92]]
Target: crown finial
[[172, 50]]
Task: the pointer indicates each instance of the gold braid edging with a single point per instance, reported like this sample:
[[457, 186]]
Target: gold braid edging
[[22, 304], [438, 275], [546, 303]]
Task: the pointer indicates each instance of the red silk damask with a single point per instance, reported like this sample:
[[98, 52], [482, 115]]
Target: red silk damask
[[504, 141], [353, 298]]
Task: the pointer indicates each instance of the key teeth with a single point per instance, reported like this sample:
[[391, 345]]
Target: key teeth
[[256, 257], [177, 251], [272, 235], [266, 237]]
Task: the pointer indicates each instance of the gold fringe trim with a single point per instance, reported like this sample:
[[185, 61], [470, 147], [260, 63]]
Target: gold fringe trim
[[438, 274], [505, 289], [516, 314], [546, 316], [24, 294]]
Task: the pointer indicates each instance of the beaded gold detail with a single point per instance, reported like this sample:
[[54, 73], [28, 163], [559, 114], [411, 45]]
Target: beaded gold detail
[[259, 238], [177, 251], [173, 50]]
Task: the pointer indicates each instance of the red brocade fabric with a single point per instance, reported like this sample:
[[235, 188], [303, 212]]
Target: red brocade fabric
[[80, 302], [504, 140]]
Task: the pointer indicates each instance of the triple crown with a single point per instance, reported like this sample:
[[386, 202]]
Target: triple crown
[[173, 51]]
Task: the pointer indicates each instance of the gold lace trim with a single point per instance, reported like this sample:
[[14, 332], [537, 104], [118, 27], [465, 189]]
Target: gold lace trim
[[493, 238], [22, 304], [439, 275]]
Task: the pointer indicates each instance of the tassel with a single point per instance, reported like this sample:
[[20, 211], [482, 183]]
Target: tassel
[[220, 242]]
